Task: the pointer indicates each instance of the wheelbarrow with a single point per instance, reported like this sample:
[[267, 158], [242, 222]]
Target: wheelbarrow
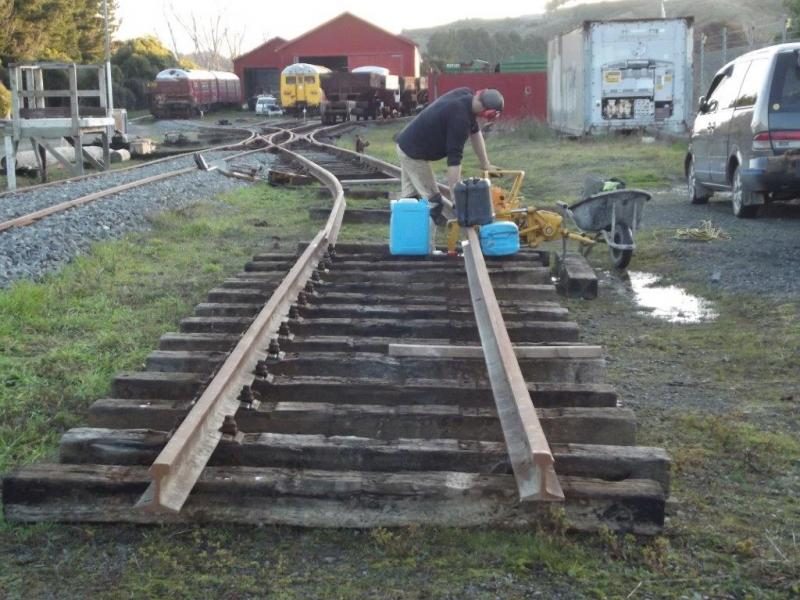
[[612, 217]]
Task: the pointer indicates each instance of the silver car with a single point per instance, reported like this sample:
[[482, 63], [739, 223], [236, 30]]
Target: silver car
[[746, 136]]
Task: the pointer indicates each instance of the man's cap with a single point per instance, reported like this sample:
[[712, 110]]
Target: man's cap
[[491, 99]]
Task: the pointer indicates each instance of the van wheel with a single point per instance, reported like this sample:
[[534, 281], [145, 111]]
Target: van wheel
[[698, 194], [741, 199]]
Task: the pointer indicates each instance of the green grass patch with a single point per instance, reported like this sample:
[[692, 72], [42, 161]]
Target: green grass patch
[[62, 339], [555, 167]]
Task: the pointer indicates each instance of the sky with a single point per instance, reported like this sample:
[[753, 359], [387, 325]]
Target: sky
[[260, 20]]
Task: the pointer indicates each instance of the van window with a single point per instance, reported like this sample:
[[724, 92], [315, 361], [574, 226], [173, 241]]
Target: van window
[[753, 83], [309, 79], [727, 90], [785, 93], [290, 79]]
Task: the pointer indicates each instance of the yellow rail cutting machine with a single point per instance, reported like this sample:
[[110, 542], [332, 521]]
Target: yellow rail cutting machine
[[535, 225]]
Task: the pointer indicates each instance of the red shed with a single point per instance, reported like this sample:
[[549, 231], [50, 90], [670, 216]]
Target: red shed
[[341, 44], [525, 93], [260, 69]]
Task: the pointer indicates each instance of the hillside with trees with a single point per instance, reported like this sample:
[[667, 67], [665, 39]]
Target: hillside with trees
[[498, 39]]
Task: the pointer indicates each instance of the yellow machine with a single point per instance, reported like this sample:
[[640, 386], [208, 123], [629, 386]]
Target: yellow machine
[[535, 225]]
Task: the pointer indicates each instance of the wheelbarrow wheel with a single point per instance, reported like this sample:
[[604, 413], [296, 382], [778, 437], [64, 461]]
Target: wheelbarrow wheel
[[622, 235]]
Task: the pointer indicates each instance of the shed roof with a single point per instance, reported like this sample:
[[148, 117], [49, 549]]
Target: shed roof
[[342, 16]]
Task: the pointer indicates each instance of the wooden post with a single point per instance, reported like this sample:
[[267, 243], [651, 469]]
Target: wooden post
[[39, 85], [11, 162], [77, 138]]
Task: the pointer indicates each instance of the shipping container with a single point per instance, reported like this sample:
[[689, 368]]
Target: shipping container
[[621, 75]]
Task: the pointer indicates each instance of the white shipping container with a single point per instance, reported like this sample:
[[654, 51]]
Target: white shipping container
[[628, 74]]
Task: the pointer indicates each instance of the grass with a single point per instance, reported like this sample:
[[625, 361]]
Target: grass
[[555, 168], [62, 340], [720, 396]]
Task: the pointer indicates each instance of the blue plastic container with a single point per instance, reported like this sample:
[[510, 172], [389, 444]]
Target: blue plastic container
[[410, 227], [500, 238]]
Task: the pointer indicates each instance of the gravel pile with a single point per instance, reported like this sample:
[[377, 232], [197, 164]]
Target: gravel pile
[[23, 202], [45, 246], [762, 255]]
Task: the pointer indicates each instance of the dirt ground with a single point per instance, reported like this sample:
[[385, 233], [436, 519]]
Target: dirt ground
[[721, 395]]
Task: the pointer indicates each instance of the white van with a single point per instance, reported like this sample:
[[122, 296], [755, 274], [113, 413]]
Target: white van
[[268, 106]]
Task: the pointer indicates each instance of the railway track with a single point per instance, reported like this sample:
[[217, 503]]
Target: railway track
[[344, 387], [72, 194]]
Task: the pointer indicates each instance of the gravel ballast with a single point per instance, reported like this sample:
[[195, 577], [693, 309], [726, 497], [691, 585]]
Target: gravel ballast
[[45, 246]]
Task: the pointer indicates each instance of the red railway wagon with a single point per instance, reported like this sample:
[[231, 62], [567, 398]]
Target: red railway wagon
[[525, 93], [184, 93]]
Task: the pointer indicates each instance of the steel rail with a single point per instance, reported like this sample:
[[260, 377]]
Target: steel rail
[[33, 188], [528, 449], [177, 468], [530, 455], [29, 218]]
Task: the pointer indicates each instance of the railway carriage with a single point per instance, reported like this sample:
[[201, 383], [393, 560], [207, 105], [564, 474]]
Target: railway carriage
[[188, 92], [300, 88]]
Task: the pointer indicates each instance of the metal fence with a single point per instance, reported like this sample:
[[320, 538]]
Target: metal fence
[[714, 50]]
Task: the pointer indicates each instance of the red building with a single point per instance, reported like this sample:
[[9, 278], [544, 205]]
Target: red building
[[341, 44], [525, 94]]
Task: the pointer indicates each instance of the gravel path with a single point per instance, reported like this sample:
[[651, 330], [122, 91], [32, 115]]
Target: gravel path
[[24, 202], [762, 256], [45, 246]]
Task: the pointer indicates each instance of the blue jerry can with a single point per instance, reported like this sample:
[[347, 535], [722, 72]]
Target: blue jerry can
[[500, 238], [410, 227]]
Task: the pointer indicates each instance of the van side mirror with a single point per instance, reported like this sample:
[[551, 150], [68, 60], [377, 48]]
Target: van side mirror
[[702, 104]]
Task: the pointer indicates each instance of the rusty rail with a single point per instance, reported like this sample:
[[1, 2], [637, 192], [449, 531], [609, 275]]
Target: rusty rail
[[531, 458], [179, 465]]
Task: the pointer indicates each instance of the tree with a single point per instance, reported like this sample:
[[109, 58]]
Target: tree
[[209, 37], [135, 63], [70, 30]]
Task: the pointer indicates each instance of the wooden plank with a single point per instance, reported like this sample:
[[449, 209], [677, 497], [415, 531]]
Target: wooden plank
[[516, 274], [150, 384], [437, 351], [161, 413], [358, 365], [563, 425], [528, 311], [431, 391], [521, 330], [346, 452], [394, 297], [220, 342], [576, 278], [529, 452], [103, 494], [227, 309], [441, 292]]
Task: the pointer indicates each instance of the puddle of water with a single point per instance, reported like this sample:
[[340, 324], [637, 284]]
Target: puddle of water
[[669, 303]]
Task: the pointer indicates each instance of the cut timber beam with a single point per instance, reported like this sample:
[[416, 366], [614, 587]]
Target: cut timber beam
[[318, 498], [436, 351]]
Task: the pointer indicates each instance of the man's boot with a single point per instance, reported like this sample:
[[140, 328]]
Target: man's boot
[[436, 210]]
